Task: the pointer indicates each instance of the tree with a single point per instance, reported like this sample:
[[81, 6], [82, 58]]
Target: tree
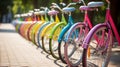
[[115, 12], [3, 7]]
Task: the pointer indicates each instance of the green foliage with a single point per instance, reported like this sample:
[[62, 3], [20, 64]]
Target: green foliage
[[22, 6], [3, 6]]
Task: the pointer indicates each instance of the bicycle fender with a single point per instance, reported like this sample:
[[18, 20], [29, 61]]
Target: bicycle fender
[[55, 28], [64, 30], [41, 28], [46, 29], [89, 35], [71, 28]]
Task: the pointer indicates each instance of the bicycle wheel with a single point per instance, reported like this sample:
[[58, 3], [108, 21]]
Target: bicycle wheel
[[73, 45], [39, 34], [45, 37], [45, 40], [28, 31], [35, 30], [36, 33], [98, 51], [53, 41], [45, 44]]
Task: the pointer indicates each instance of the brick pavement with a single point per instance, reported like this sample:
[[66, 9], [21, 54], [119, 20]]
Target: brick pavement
[[15, 51]]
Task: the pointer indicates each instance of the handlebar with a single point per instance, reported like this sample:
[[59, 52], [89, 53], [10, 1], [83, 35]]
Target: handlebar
[[31, 11], [108, 1], [71, 4], [17, 16], [54, 5], [36, 10], [45, 9], [63, 4]]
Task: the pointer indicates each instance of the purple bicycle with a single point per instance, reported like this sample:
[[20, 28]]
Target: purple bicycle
[[99, 41]]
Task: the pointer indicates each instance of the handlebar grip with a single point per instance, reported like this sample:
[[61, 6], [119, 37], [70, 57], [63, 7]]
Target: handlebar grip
[[108, 1], [36, 10], [54, 4], [63, 4], [73, 3]]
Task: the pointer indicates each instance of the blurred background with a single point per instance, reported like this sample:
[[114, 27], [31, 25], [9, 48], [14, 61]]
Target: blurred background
[[8, 8]]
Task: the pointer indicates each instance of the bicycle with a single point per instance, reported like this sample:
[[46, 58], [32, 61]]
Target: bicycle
[[39, 28], [75, 37], [17, 22], [32, 24], [36, 20], [82, 27], [25, 24], [47, 30], [38, 39], [36, 26], [99, 49], [55, 33]]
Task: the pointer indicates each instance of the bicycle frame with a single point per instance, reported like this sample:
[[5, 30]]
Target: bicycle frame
[[46, 29], [109, 23], [36, 27], [63, 22], [66, 28], [41, 28], [86, 23]]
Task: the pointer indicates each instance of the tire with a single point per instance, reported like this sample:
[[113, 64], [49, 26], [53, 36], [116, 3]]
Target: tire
[[73, 45], [28, 32], [98, 51], [53, 48], [53, 41], [61, 44], [61, 51], [39, 34], [45, 45], [46, 36]]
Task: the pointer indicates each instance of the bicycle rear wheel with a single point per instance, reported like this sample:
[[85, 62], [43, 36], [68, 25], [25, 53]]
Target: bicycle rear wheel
[[73, 46], [98, 51]]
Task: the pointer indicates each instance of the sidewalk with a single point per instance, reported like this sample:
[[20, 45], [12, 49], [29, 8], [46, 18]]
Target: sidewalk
[[15, 51]]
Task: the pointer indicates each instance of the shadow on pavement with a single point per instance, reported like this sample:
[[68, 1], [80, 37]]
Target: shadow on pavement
[[59, 63], [115, 58], [7, 31]]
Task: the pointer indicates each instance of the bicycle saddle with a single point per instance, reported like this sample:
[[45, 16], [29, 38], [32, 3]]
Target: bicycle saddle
[[68, 9], [95, 4], [40, 13], [91, 6], [53, 12], [86, 8]]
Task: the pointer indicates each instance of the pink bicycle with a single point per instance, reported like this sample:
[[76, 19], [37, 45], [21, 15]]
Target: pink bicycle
[[99, 41]]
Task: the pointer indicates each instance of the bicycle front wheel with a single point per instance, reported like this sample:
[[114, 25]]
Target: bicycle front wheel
[[73, 46], [98, 51], [53, 41]]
